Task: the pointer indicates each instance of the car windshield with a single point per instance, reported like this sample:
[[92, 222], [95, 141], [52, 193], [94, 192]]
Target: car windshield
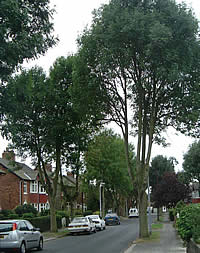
[[6, 227], [79, 220]]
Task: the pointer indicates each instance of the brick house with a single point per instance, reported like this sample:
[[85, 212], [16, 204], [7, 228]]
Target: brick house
[[19, 184]]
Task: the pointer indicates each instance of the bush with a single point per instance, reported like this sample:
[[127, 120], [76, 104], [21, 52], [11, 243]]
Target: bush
[[27, 215], [43, 222], [188, 223], [13, 216], [26, 208], [78, 213], [6, 213], [96, 213], [45, 212]]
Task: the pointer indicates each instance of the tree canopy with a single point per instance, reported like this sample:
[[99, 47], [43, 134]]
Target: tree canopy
[[144, 54], [191, 163], [26, 32], [169, 191], [160, 165]]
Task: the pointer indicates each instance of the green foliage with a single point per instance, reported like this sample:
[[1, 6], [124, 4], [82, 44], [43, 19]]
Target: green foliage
[[26, 208], [96, 213], [26, 32], [27, 215], [188, 223], [13, 216], [45, 212], [78, 212], [43, 222], [62, 213], [171, 214], [179, 206], [5, 213], [191, 164], [160, 165]]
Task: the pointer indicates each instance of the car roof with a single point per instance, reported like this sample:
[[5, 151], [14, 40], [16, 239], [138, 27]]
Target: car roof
[[111, 214], [11, 221], [92, 216]]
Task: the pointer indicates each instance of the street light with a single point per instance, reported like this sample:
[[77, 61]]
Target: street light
[[149, 207], [100, 197]]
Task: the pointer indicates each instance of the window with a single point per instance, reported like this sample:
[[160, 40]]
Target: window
[[42, 189], [35, 205], [42, 206], [25, 187], [34, 187]]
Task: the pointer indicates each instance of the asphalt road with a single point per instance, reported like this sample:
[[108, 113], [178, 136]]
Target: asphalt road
[[115, 239]]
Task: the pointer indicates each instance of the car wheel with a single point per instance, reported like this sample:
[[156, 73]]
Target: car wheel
[[40, 246], [104, 227], [95, 230], [22, 248]]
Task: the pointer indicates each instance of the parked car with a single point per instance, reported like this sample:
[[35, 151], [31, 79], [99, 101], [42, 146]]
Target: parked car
[[112, 219], [81, 225], [20, 236], [99, 222], [133, 212]]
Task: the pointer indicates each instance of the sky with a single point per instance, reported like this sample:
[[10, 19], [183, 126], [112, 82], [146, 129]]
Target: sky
[[70, 19]]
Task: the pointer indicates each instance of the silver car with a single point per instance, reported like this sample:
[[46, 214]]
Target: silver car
[[20, 236]]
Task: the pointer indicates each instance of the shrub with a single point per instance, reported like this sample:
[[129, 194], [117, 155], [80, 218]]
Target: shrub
[[96, 213], [26, 208], [43, 222], [27, 215], [13, 216], [188, 223], [45, 212], [6, 213], [78, 213]]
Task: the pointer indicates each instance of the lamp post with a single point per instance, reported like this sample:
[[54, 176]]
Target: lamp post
[[100, 197], [149, 207]]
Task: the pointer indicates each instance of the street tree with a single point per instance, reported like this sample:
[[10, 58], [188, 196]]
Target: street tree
[[169, 191], [105, 162], [26, 32], [159, 165], [40, 120], [136, 52], [191, 163]]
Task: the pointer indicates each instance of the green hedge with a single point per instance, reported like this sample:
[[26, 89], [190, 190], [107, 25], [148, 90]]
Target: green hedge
[[43, 222], [188, 223]]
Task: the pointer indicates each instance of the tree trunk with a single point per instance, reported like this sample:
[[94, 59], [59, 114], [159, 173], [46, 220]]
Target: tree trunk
[[53, 223], [143, 233]]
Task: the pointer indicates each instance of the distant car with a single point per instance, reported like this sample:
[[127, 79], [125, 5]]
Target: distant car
[[112, 219], [133, 212], [99, 222], [20, 236], [82, 225]]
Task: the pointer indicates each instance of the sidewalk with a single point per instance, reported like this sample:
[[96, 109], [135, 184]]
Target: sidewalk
[[169, 241]]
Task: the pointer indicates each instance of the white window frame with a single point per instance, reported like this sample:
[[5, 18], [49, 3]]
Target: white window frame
[[25, 187], [34, 187], [41, 189], [42, 206]]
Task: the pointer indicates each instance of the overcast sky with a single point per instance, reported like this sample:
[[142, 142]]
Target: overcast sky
[[70, 19]]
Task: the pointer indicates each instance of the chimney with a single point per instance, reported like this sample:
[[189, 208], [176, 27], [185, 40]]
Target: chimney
[[8, 155]]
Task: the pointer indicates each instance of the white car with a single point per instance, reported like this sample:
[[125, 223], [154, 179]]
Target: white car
[[99, 222], [20, 236], [82, 225], [133, 212]]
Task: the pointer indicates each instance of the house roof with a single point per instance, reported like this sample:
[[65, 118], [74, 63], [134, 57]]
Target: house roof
[[70, 181], [19, 169]]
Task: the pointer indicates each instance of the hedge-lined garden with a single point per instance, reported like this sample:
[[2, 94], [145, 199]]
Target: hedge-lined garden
[[39, 220], [187, 221]]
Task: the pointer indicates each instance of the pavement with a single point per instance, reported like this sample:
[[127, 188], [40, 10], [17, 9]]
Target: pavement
[[168, 242]]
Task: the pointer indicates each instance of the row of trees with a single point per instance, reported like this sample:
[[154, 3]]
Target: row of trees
[[141, 56]]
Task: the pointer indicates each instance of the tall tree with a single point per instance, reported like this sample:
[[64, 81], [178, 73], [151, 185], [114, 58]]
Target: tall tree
[[47, 128], [160, 165], [169, 191], [191, 163], [105, 162], [136, 51], [26, 32]]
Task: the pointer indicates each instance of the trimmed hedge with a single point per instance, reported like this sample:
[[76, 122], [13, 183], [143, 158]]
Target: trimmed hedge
[[43, 222]]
